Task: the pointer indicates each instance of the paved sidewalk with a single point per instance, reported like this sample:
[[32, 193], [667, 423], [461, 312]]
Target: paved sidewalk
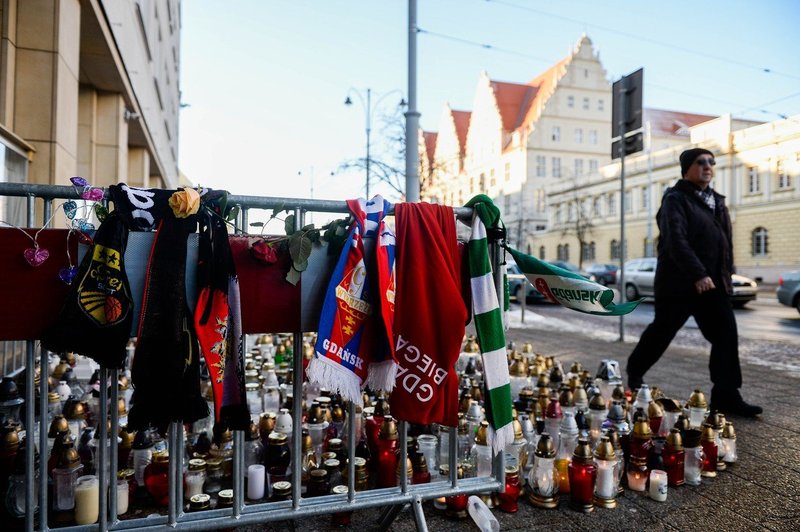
[[761, 492]]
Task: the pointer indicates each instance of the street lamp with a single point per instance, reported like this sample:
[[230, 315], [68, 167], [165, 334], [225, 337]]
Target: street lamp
[[366, 103]]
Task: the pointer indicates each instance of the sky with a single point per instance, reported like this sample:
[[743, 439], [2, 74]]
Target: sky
[[264, 81]]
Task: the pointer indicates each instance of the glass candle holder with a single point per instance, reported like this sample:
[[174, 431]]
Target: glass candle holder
[[605, 488], [156, 479], [637, 474], [709, 444], [427, 446], [508, 499], [582, 478], [658, 485], [674, 457], [87, 500], [543, 478], [729, 441], [194, 478]]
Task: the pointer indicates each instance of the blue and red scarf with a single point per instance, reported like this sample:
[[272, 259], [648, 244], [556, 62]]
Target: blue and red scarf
[[354, 347]]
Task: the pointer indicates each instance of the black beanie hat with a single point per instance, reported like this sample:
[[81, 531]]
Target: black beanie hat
[[689, 156]]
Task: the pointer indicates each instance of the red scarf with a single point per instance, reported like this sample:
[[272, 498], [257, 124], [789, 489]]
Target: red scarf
[[430, 315]]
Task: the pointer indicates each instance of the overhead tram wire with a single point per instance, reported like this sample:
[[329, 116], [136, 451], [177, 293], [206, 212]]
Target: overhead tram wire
[[493, 48], [650, 40]]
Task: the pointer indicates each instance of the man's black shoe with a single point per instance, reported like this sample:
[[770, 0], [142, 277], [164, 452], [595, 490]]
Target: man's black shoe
[[634, 382], [731, 403]]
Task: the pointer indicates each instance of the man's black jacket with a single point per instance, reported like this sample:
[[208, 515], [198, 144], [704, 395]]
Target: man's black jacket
[[694, 242]]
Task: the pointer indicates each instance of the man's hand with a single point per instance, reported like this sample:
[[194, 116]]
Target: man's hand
[[704, 285]]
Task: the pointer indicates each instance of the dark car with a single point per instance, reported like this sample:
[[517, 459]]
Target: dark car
[[605, 274], [564, 265], [789, 289]]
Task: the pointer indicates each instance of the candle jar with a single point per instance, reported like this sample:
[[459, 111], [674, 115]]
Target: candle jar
[[444, 444], [281, 491], [142, 451], [427, 446], [225, 499], [387, 454], [582, 477], [656, 414], [641, 439], [199, 502], [482, 451], [709, 444], [552, 418], [87, 500], [597, 415], [456, 505], [508, 499], [318, 483], [194, 478], [613, 437], [316, 428], [156, 478], [658, 485], [340, 518], [674, 457], [605, 489], [543, 476], [128, 476], [123, 496], [568, 441], [332, 466], [729, 442], [256, 478], [637, 473], [277, 457], [717, 421], [693, 464], [65, 474], [516, 451], [214, 474], [697, 407]]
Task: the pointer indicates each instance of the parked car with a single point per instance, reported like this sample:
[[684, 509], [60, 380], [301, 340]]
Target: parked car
[[789, 289], [605, 274], [640, 277], [517, 281]]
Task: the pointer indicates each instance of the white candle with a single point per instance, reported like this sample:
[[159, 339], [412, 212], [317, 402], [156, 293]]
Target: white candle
[[122, 497], [255, 482], [194, 485], [87, 500], [658, 485], [604, 486]]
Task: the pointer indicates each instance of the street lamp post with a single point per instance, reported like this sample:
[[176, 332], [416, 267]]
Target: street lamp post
[[366, 102]]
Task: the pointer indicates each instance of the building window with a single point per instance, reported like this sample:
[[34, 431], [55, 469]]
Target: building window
[[600, 104], [556, 166], [570, 101], [592, 166], [628, 202], [760, 242], [492, 180], [571, 212], [586, 104], [508, 172], [558, 214], [592, 136], [612, 204], [597, 207], [579, 135], [753, 180], [13, 169], [507, 204], [645, 198], [784, 181], [578, 167], [588, 250], [539, 199], [472, 185], [541, 166], [556, 134], [563, 252], [615, 250], [541, 253]]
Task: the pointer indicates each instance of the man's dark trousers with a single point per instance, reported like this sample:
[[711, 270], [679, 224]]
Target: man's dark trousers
[[714, 316]]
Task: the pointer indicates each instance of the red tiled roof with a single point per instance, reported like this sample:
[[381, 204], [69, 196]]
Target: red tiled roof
[[461, 120], [430, 144], [671, 123]]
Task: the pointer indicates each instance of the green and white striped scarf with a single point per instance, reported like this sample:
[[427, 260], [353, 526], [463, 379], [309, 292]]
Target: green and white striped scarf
[[489, 324]]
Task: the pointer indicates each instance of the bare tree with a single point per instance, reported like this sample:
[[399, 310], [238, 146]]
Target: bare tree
[[578, 220]]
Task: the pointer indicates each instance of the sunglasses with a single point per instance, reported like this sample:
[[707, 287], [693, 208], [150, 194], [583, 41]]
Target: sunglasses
[[706, 162]]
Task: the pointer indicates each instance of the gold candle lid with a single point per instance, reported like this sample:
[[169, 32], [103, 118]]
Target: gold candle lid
[[674, 440], [566, 398], [641, 429], [283, 488], [58, 425], [654, 410], [583, 452], [53, 397], [160, 457], [697, 400], [545, 447], [225, 497], [482, 435], [197, 464], [716, 420], [201, 501], [605, 449], [388, 429], [708, 433], [597, 402], [728, 431]]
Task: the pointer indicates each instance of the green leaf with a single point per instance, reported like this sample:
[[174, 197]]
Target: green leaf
[[288, 225], [293, 277], [100, 211], [300, 249], [300, 266], [233, 214], [276, 211], [308, 227], [256, 224]]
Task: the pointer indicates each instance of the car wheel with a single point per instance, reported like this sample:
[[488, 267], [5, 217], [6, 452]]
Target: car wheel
[[520, 294], [631, 293]]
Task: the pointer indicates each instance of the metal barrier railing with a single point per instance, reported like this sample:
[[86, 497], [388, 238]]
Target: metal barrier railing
[[394, 499]]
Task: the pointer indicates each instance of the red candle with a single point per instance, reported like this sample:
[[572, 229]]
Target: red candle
[[674, 457], [508, 499], [421, 477], [387, 454], [582, 475], [708, 441], [156, 478]]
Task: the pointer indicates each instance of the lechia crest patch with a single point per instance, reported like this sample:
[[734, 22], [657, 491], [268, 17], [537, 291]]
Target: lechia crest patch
[[102, 294]]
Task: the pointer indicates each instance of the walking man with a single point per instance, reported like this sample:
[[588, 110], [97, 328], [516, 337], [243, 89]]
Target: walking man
[[693, 278]]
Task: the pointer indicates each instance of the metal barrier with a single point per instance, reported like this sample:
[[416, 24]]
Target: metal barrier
[[394, 499]]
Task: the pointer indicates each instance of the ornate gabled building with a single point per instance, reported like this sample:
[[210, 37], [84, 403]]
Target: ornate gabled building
[[522, 138]]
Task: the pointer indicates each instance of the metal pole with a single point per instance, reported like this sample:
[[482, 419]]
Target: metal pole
[[351, 451], [103, 450], [403, 457], [623, 97], [297, 382], [43, 426], [30, 447], [412, 115], [650, 251], [369, 129], [114, 411], [173, 468]]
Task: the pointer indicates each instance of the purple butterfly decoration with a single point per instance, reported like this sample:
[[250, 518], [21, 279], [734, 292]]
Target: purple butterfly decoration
[[82, 225], [79, 181]]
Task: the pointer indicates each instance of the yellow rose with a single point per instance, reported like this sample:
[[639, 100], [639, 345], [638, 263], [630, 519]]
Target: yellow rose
[[185, 202]]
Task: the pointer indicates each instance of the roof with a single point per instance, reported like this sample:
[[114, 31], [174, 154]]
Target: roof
[[461, 120], [672, 123], [430, 144]]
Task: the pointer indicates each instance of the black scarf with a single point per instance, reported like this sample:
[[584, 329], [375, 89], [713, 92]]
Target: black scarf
[[96, 318], [166, 370]]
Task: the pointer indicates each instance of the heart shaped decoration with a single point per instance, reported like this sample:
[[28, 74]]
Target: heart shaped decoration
[[70, 208], [67, 275], [92, 194], [36, 256]]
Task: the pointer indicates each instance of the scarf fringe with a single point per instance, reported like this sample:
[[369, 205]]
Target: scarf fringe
[[501, 437], [336, 378], [382, 376]]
